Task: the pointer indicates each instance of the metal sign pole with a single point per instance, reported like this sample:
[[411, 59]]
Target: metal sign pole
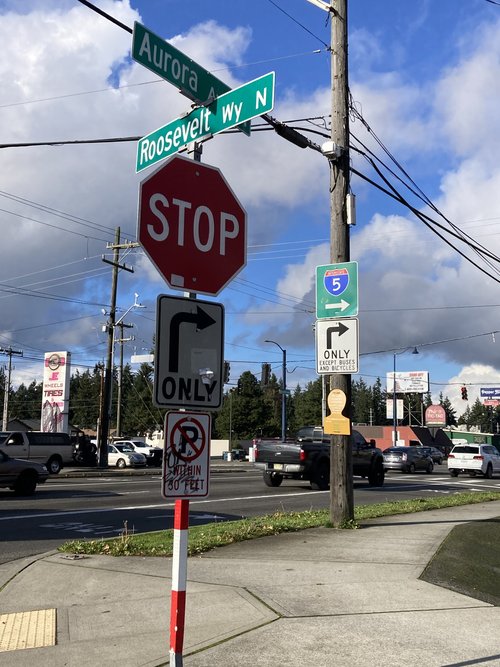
[[179, 578]]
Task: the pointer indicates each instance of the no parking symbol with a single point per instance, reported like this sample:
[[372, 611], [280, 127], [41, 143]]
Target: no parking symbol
[[187, 454]]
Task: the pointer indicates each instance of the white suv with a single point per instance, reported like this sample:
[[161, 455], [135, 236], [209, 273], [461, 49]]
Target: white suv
[[471, 458]]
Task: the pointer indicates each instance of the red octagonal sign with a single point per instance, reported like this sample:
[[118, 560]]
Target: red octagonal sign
[[191, 226]]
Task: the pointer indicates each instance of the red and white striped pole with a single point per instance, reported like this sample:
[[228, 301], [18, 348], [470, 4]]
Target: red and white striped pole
[[179, 578]]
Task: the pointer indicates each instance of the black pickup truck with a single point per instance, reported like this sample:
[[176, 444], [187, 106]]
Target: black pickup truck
[[308, 458]]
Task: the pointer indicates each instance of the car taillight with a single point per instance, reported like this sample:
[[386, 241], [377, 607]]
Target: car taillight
[[480, 458], [451, 456], [302, 455], [255, 451]]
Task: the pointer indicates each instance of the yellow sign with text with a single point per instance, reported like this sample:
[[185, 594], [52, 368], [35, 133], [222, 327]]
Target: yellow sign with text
[[335, 423]]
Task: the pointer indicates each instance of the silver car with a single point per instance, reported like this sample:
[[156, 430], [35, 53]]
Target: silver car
[[122, 456], [408, 459]]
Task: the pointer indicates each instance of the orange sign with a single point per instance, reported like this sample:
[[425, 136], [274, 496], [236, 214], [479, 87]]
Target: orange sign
[[335, 423]]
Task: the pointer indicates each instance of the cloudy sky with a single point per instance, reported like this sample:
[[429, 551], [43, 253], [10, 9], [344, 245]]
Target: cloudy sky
[[424, 77]]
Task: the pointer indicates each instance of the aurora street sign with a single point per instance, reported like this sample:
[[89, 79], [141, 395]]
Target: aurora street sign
[[192, 80], [238, 105]]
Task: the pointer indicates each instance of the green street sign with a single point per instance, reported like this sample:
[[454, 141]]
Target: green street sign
[[193, 80], [337, 290], [238, 105]]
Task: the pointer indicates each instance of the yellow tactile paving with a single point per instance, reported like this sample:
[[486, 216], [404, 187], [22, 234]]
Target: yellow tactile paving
[[27, 629]]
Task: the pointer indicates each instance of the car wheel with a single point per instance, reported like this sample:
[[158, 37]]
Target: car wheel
[[377, 475], [26, 483], [454, 473], [321, 478], [272, 479], [54, 465], [121, 463], [411, 468], [429, 468], [489, 471]]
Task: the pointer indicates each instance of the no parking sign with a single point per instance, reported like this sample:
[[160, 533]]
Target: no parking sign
[[186, 457]]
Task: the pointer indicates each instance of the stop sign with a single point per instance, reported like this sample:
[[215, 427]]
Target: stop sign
[[191, 226]]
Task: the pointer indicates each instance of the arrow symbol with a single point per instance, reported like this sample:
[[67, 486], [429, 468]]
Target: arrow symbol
[[340, 329], [338, 306], [202, 321]]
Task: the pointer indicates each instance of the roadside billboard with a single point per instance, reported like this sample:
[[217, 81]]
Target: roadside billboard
[[435, 415], [411, 382], [55, 392]]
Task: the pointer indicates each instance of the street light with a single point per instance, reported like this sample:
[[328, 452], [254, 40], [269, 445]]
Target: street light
[[394, 401], [283, 397]]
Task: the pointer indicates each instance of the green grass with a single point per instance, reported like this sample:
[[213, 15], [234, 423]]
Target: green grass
[[212, 535], [468, 561]]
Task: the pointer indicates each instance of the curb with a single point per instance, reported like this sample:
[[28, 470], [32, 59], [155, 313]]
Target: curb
[[141, 472]]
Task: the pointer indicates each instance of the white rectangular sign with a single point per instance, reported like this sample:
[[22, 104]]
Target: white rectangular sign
[[186, 456], [188, 353], [412, 382], [55, 392], [337, 345]]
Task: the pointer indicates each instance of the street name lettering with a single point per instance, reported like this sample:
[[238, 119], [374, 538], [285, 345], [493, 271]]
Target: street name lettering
[[168, 62], [240, 104]]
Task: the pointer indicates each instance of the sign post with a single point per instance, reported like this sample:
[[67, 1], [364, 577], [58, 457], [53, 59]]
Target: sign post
[[185, 473]]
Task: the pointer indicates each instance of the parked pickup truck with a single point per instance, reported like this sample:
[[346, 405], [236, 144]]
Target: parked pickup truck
[[308, 458]]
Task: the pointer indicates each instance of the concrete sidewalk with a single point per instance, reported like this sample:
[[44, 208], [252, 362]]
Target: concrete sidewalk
[[318, 598]]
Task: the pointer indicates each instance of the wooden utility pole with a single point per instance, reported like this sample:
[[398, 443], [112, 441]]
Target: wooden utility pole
[[341, 485], [108, 371], [8, 351]]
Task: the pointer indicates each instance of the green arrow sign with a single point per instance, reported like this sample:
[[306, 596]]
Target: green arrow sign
[[337, 290], [193, 80], [238, 105]]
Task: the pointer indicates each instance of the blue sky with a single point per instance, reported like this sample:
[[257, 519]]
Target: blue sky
[[425, 77]]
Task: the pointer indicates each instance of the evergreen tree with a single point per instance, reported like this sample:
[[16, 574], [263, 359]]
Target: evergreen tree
[[245, 411], [379, 403], [308, 405]]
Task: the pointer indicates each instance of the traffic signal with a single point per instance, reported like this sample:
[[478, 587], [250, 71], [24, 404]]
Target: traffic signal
[[265, 374], [464, 393], [227, 369]]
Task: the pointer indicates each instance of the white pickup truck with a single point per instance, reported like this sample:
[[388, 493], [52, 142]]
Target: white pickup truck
[[154, 455]]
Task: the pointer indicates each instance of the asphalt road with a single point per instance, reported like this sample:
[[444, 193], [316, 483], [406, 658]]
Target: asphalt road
[[74, 508]]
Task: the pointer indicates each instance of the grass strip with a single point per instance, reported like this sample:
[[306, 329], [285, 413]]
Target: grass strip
[[211, 535], [468, 561]]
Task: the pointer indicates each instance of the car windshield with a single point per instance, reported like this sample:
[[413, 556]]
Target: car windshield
[[124, 448]]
